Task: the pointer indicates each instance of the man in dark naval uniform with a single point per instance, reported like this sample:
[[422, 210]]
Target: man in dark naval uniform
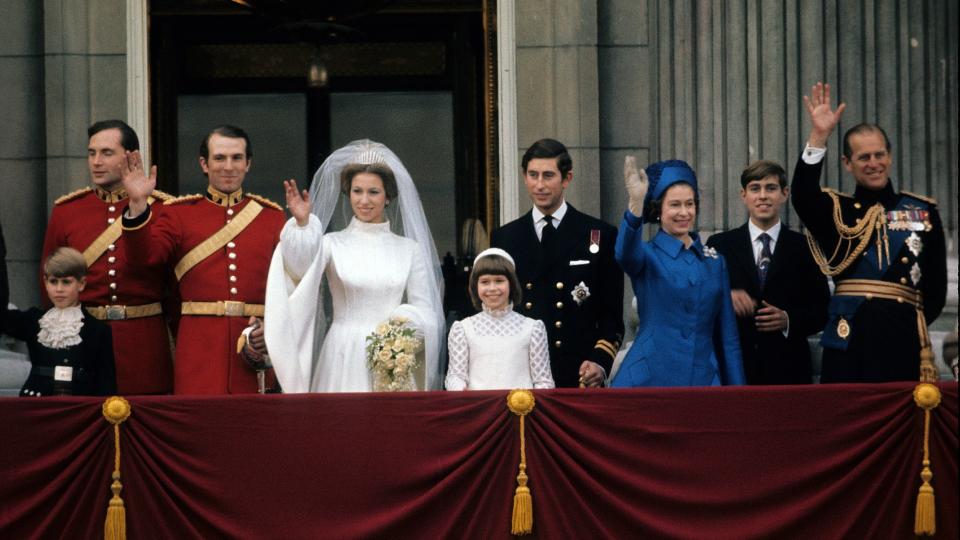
[[885, 251], [566, 268]]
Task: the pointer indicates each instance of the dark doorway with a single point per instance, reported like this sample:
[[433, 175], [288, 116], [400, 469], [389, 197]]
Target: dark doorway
[[304, 77]]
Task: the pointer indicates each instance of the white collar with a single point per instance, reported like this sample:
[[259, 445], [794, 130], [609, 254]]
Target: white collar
[[755, 232], [558, 215]]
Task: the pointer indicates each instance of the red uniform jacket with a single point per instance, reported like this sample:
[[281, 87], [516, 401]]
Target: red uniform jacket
[[141, 346], [207, 358]]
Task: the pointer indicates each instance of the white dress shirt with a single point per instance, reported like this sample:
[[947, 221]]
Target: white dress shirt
[[539, 222], [774, 234]]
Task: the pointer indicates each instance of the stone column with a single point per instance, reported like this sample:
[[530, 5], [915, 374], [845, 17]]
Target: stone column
[[557, 89], [86, 81], [22, 157]]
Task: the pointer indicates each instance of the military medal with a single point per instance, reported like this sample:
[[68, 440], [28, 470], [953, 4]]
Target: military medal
[[911, 219], [594, 243], [581, 292], [843, 328], [914, 244]]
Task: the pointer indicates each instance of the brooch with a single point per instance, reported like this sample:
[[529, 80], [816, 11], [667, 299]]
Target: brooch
[[709, 252], [580, 293]]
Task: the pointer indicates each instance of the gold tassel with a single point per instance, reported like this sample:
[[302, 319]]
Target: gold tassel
[[521, 402], [116, 525], [116, 410], [522, 504], [927, 397]]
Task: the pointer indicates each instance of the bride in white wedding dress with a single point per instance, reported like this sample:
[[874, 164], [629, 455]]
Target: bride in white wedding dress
[[371, 273]]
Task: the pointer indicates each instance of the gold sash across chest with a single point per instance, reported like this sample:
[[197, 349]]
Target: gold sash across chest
[[110, 235], [218, 239]]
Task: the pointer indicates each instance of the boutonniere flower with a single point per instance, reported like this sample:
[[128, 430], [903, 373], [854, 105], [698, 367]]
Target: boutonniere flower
[[709, 252]]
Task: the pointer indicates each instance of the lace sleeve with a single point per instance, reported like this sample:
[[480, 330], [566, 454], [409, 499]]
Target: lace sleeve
[[299, 246], [540, 358], [457, 371]]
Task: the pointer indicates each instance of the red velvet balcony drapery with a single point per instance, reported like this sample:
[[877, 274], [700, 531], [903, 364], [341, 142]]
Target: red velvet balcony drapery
[[829, 461]]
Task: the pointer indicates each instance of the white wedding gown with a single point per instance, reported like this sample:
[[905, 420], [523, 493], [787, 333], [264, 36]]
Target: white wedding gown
[[370, 272]]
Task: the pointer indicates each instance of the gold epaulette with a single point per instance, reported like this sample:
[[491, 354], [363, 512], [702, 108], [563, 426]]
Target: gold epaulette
[[182, 199], [835, 192], [161, 195], [72, 195], [264, 201], [924, 198]]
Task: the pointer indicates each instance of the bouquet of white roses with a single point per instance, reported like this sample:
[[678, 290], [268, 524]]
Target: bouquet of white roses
[[392, 355]]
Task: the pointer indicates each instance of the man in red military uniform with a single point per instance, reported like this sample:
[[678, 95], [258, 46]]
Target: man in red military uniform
[[219, 244], [125, 295]]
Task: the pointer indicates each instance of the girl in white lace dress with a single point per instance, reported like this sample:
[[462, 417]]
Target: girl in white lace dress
[[497, 348]]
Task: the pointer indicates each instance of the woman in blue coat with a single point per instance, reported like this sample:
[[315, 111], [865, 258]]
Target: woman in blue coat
[[687, 334]]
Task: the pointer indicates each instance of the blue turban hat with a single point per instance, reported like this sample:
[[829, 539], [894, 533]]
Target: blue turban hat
[[664, 174]]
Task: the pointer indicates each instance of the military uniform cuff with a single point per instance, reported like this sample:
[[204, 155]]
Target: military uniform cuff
[[132, 224]]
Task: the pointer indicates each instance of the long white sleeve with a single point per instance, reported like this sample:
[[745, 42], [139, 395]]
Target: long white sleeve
[[459, 351], [417, 308], [299, 246], [540, 358]]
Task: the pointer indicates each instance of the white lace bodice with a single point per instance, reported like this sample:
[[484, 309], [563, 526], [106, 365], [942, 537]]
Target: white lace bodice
[[498, 350]]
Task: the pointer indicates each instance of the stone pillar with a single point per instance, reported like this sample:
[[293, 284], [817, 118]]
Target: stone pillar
[[86, 81], [22, 155], [557, 89]]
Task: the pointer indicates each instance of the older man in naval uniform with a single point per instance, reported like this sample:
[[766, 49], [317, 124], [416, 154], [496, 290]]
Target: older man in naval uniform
[[884, 249]]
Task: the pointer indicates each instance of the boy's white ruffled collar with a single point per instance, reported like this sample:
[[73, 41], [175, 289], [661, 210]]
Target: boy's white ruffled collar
[[60, 328]]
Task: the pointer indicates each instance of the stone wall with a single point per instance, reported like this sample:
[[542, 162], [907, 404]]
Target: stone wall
[[23, 196], [62, 66]]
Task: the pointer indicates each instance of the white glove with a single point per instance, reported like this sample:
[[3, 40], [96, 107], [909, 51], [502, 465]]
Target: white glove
[[636, 182]]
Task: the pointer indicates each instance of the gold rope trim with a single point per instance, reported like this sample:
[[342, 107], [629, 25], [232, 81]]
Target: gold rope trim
[[219, 239], [927, 397], [116, 410], [874, 219], [521, 402]]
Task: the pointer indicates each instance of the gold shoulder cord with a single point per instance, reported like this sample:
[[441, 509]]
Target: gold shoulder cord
[[874, 220]]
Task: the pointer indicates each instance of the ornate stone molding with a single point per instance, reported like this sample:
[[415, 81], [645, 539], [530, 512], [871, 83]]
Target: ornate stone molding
[[507, 108], [138, 74]]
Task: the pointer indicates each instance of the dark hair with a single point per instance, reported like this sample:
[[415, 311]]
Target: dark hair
[[653, 207], [65, 262], [863, 128], [379, 169], [128, 137], [546, 149], [758, 170], [493, 265], [232, 132]]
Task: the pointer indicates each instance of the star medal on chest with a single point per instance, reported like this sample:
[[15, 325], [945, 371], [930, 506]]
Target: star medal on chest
[[914, 244], [580, 293], [594, 241], [709, 252]]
